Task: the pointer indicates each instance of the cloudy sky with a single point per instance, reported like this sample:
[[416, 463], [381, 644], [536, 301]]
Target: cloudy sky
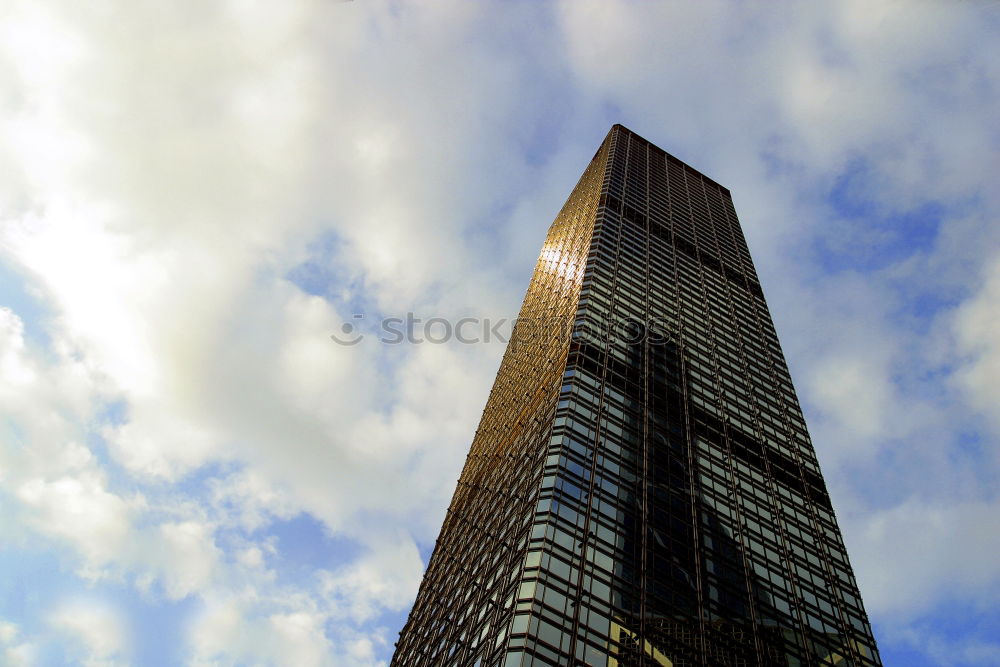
[[195, 195]]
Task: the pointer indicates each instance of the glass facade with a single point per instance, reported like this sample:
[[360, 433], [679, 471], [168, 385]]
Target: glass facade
[[641, 489]]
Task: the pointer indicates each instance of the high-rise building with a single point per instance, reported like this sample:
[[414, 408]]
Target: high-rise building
[[641, 489]]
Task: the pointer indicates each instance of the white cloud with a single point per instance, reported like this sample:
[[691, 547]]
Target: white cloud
[[250, 500], [98, 634], [15, 652], [214, 631], [951, 653], [190, 557], [234, 631], [302, 640], [135, 255], [47, 395], [977, 328], [913, 555], [386, 577], [8, 632], [61, 488], [854, 390], [80, 510]]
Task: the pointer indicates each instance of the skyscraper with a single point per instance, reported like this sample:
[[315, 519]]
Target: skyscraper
[[641, 489]]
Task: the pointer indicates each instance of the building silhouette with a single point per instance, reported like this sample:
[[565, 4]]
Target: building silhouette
[[641, 490]]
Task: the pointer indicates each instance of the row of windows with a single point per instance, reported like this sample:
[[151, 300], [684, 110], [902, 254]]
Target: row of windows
[[714, 235], [757, 543], [760, 495], [458, 612]]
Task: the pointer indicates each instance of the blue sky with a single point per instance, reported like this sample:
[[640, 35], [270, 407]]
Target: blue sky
[[194, 197]]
